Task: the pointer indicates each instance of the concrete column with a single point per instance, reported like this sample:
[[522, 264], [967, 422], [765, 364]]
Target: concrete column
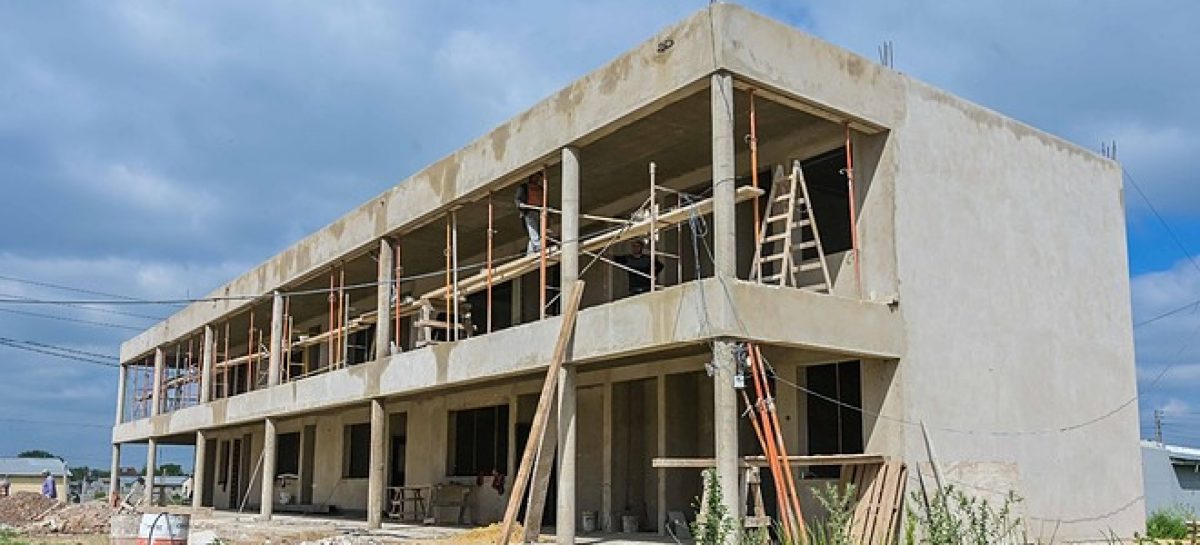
[[725, 426], [724, 225], [725, 413], [268, 470], [383, 301], [377, 473], [198, 472], [275, 356], [114, 476], [122, 378], [151, 468], [160, 361], [569, 272], [206, 365]]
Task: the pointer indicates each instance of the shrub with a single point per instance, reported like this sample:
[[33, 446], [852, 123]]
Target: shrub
[[715, 524], [1170, 523], [950, 517]]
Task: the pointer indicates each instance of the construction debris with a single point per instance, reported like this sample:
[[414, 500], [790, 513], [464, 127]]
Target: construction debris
[[22, 508], [33, 513]]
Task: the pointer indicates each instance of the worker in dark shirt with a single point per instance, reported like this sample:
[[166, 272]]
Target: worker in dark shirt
[[531, 196], [639, 282]]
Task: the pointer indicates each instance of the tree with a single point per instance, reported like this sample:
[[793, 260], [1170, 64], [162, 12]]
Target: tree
[[170, 470], [35, 454]]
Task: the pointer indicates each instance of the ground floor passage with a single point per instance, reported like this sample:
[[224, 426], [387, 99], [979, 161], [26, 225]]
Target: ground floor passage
[[458, 450]]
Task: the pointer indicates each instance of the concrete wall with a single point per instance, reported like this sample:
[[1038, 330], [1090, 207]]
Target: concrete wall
[[1013, 286]]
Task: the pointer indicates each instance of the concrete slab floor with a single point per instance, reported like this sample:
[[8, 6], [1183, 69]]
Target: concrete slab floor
[[233, 528]]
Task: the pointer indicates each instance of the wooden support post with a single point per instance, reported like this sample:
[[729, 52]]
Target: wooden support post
[[490, 233], [653, 228], [332, 345], [396, 277], [853, 198], [343, 306], [542, 227], [753, 141], [541, 417], [454, 306], [225, 382], [449, 289]]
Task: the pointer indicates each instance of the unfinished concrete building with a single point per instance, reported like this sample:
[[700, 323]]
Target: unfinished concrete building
[[969, 273]]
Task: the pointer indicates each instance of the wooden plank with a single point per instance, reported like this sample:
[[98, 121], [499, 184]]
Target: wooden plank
[[541, 416]]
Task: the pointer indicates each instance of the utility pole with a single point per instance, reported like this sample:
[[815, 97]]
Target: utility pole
[[1158, 414]]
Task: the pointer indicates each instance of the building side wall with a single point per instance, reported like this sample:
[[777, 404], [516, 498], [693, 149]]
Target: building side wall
[[1014, 290], [1165, 486]]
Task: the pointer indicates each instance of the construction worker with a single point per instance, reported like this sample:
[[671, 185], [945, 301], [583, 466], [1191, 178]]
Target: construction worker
[[4, 486], [49, 487], [639, 262], [531, 196]]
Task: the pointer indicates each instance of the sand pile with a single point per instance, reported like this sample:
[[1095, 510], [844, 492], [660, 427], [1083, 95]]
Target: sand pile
[[24, 507]]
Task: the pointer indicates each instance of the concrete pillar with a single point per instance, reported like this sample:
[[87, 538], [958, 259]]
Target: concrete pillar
[[198, 470], [724, 225], [114, 475], [151, 468], [122, 378], [160, 361], [569, 272], [206, 365], [275, 356], [268, 470], [725, 412], [383, 301], [377, 473]]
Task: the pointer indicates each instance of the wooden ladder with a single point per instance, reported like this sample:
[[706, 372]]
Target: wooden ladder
[[788, 233]]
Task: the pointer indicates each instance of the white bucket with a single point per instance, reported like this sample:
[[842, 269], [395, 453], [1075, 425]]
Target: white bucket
[[163, 529], [589, 521], [629, 524]]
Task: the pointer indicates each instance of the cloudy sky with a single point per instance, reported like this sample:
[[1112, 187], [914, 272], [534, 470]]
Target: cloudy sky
[[157, 149]]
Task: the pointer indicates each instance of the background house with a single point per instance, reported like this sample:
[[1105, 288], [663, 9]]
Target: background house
[[25, 474], [1172, 477]]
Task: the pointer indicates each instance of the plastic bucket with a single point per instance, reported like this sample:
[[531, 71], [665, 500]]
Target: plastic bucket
[[589, 521], [163, 529]]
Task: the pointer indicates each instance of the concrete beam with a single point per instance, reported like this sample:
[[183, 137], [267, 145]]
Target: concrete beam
[[267, 498], [383, 299], [151, 467], [199, 469], [122, 378], [275, 355], [156, 396], [114, 481], [206, 365], [564, 526], [377, 472]]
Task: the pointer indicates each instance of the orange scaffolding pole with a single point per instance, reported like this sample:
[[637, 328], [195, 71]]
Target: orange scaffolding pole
[[853, 197], [542, 245], [753, 141], [490, 232]]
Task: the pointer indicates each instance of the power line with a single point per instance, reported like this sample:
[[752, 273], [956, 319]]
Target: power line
[[1174, 237], [54, 423], [96, 355], [89, 307], [66, 288], [67, 319], [1194, 305], [69, 356]]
